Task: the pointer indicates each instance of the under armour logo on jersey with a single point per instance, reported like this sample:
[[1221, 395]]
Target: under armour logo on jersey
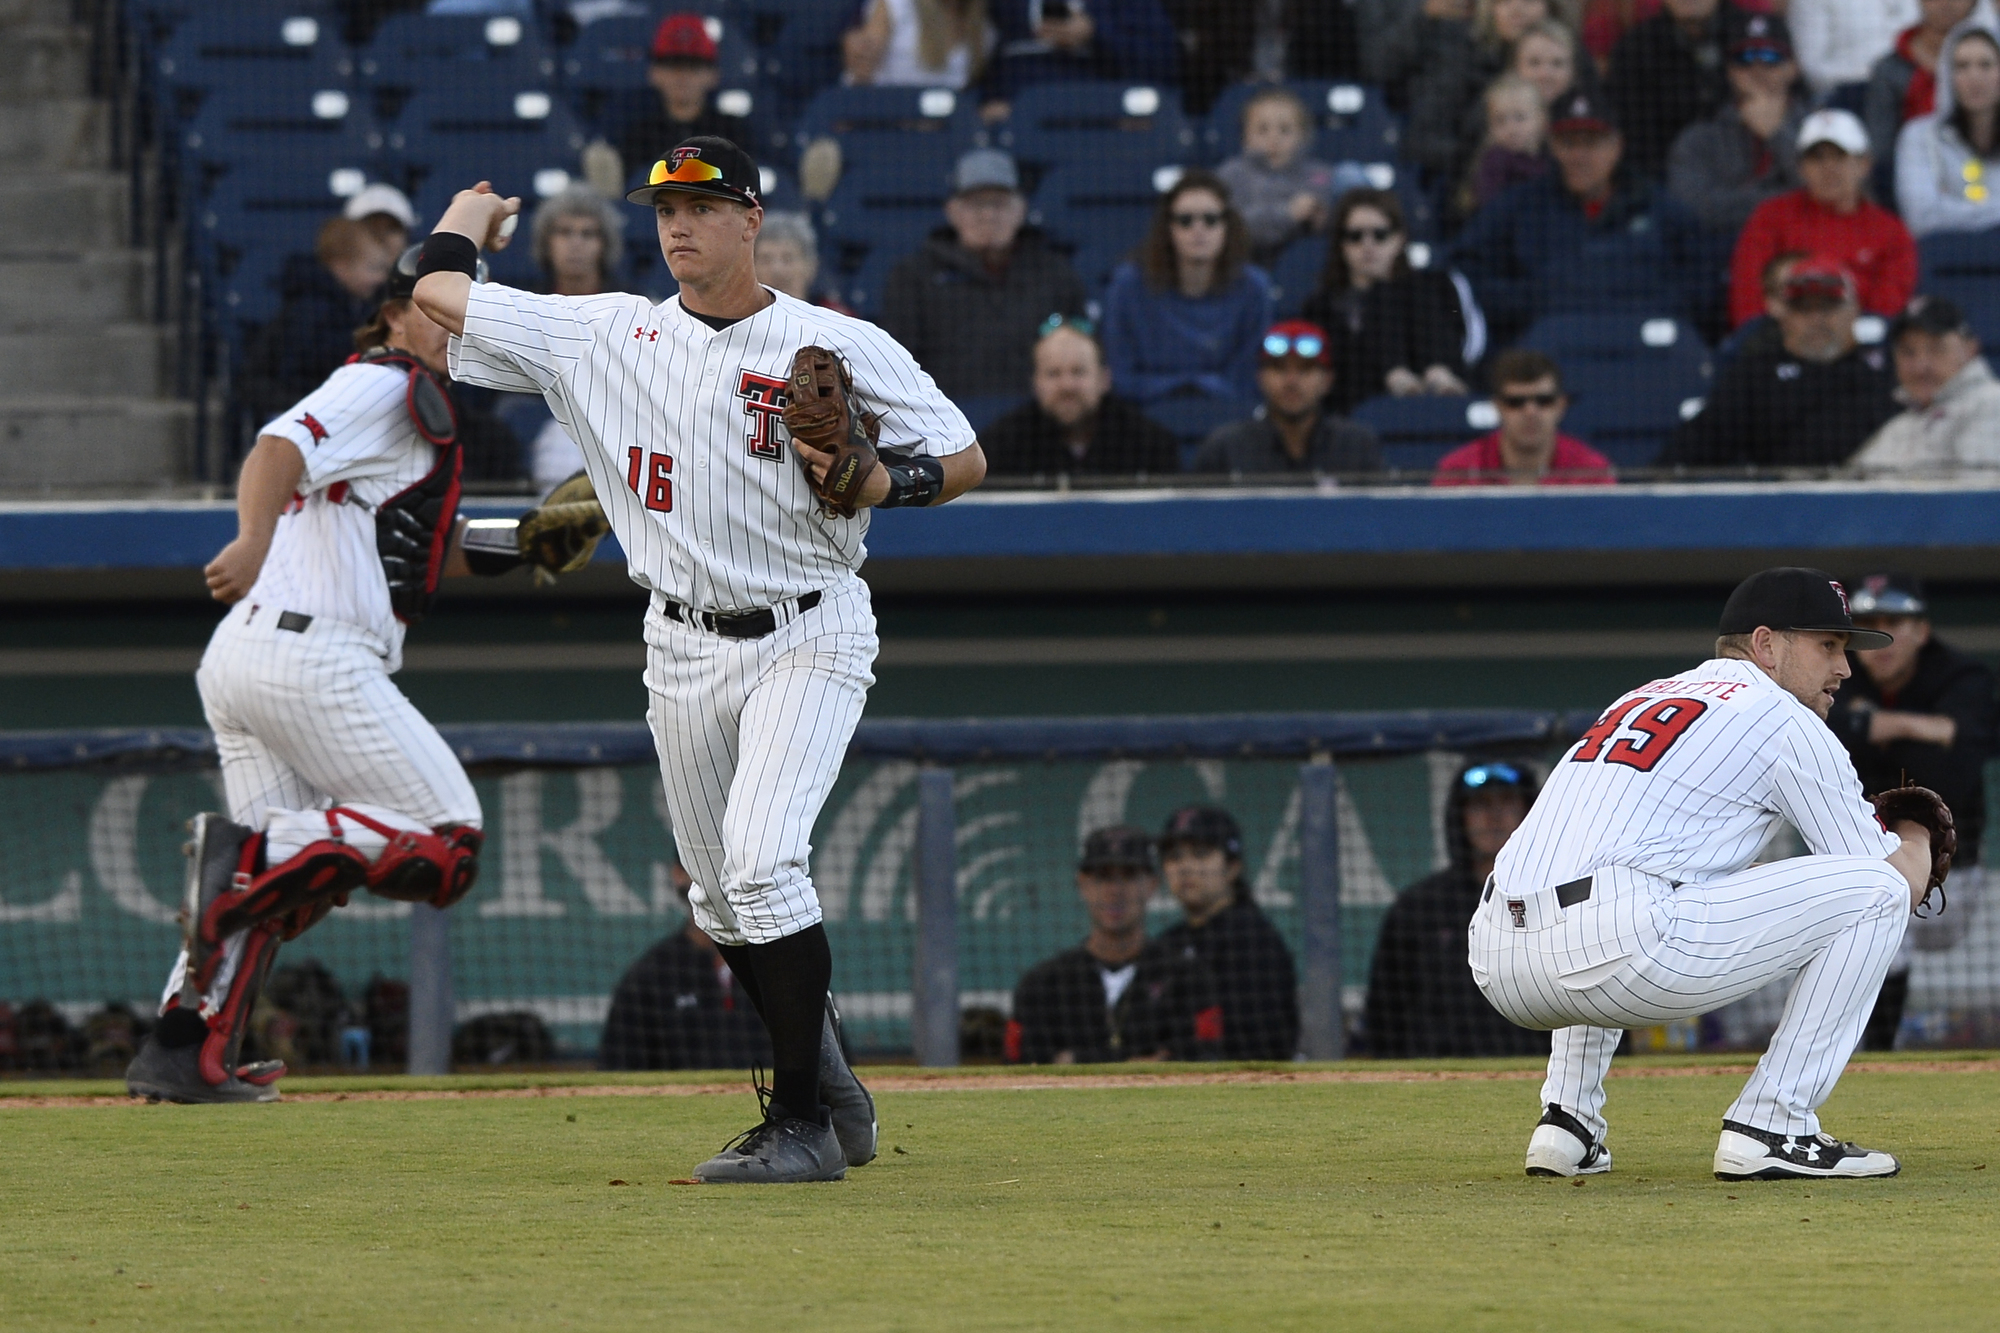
[[646, 335], [764, 401], [311, 423]]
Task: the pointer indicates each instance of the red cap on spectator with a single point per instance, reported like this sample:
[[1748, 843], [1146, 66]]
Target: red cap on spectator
[[1820, 276], [1296, 337], [683, 37]]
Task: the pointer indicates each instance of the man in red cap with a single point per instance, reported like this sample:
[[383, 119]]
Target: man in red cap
[[1527, 449], [685, 75], [1811, 400], [1293, 431]]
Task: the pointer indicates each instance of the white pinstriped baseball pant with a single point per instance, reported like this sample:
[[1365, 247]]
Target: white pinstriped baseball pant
[[1640, 951], [305, 720], [751, 734]]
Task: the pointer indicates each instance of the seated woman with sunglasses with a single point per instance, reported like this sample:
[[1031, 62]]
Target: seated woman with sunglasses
[[1185, 316], [1394, 329], [1527, 450]]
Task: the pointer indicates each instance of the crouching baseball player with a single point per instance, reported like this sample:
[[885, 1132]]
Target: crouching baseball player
[[347, 515], [1628, 897], [732, 434]]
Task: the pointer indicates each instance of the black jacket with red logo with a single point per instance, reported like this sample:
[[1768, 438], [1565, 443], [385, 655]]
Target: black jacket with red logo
[[1169, 1008]]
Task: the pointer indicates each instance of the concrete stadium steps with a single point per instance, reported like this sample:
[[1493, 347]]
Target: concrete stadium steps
[[64, 293], [118, 360], [66, 212], [81, 444], [57, 133], [41, 59]]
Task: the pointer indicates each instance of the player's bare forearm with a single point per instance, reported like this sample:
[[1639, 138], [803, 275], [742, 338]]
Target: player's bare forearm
[[962, 471], [455, 566], [1886, 725], [269, 478], [480, 216]]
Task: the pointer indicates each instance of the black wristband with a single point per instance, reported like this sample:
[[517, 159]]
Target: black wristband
[[448, 252], [913, 484]]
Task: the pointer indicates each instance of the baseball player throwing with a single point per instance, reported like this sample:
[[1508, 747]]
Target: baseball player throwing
[[731, 433], [347, 515], [1627, 897]]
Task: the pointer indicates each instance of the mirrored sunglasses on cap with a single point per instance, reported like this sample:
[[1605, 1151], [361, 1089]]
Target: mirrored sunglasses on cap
[[1885, 602], [1308, 345], [1480, 775], [1081, 324]]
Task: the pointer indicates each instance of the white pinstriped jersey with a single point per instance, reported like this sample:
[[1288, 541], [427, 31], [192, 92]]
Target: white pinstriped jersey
[[1686, 778], [680, 431], [355, 428]]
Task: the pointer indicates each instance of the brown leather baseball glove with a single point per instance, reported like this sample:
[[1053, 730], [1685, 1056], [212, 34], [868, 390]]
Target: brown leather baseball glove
[[1923, 806], [559, 535], [832, 437]]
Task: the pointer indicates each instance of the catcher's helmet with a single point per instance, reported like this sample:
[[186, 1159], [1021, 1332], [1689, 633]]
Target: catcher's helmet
[[402, 280]]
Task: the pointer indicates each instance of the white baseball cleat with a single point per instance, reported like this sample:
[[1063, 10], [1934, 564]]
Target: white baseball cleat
[[1561, 1146], [1745, 1153]]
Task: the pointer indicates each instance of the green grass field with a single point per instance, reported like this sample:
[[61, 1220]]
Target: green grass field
[[1364, 1205]]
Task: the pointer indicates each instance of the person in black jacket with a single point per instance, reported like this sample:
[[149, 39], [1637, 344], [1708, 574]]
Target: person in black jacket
[[1810, 400], [679, 1007], [1201, 852], [1918, 712], [1117, 996], [325, 296], [684, 73], [969, 303], [1422, 1000], [1667, 73], [1074, 423]]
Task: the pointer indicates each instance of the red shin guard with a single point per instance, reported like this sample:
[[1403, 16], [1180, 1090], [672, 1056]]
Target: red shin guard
[[435, 868], [227, 1024]]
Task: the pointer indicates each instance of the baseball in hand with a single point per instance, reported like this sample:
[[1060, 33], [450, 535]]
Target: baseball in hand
[[507, 225]]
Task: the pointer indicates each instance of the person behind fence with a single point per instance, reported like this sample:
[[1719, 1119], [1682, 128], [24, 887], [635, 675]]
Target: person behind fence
[[1422, 999], [1809, 401], [1223, 929], [1903, 84], [1184, 316], [1515, 148], [1293, 429], [968, 303], [1950, 421], [788, 259], [684, 73], [324, 296], [1074, 424], [1948, 162], [1726, 165], [1117, 996], [1527, 449], [1281, 190], [920, 43], [385, 211], [1666, 73], [1919, 711], [678, 1006]]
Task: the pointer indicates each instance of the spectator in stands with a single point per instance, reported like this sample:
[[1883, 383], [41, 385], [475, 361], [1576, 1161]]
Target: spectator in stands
[[1184, 318], [1223, 930], [1666, 73], [1762, 334], [684, 73], [1830, 215], [1549, 57], [1392, 328], [1422, 1000], [917, 43], [1528, 449], [1117, 996], [1516, 145], [1950, 420], [1725, 166], [1459, 59], [1840, 40], [1293, 429], [1922, 712], [678, 1006], [385, 211], [1903, 84], [1074, 424], [578, 240], [967, 305], [1225, 42], [788, 259], [325, 297], [1585, 236], [1046, 41], [1948, 163], [1281, 192], [1808, 402]]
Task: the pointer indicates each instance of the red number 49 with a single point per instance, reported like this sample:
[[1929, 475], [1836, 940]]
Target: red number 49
[[1659, 722], [650, 479]]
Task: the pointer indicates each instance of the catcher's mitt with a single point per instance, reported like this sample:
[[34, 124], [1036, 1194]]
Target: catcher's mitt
[[1923, 806], [559, 535], [823, 416]]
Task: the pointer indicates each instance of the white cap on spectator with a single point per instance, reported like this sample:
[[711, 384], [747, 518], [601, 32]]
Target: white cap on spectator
[[1842, 129], [380, 198]]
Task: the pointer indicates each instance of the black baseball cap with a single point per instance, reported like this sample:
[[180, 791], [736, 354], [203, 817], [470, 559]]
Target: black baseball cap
[[1752, 38], [705, 164], [401, 283], [1889, 594], [1117, 847], [1796, 598], [1581, 112], [1203, 826], [1928, 314]]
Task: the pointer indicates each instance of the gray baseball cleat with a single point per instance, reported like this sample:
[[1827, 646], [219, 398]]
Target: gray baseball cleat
[[780, 1150], [173, 1074], [1747, 1153], [853, 1109], [1561, 1146]]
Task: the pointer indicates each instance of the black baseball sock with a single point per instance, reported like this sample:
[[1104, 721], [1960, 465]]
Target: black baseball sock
[[793, 975], [738, 958], [180, 1027]]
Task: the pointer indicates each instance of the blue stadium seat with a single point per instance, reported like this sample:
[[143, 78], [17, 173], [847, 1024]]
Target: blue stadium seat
[[1630, 421], [219, 44], [1417, 432], [883, 121], [1098, 122], [1192, 419], [862, 289], [414, 51], [1978, 295], [614, 53], [985, 409], [884, 207], [1625, 345], [453, 123], [1351, 123], [1103, 204], [1295, 273], [319, 127]]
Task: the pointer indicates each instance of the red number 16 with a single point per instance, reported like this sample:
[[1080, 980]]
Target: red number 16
[[655, 486]]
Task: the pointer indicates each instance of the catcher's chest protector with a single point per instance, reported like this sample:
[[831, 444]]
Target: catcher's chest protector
[[413, 526]]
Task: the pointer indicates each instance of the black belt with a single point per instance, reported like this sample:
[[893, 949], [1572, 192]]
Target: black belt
[[1567, 895], [742, 624]]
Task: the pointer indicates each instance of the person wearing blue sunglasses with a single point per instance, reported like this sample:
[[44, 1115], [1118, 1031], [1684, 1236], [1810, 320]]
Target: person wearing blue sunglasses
[[1294, 431], [1726, 165]]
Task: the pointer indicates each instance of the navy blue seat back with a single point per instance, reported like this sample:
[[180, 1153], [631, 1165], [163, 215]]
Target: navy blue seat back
[[1351, 123], [885, 121], [1417, 432], [1099, 121]]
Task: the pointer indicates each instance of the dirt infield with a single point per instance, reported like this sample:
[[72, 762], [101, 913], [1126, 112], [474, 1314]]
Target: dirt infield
[[947, 1081]]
